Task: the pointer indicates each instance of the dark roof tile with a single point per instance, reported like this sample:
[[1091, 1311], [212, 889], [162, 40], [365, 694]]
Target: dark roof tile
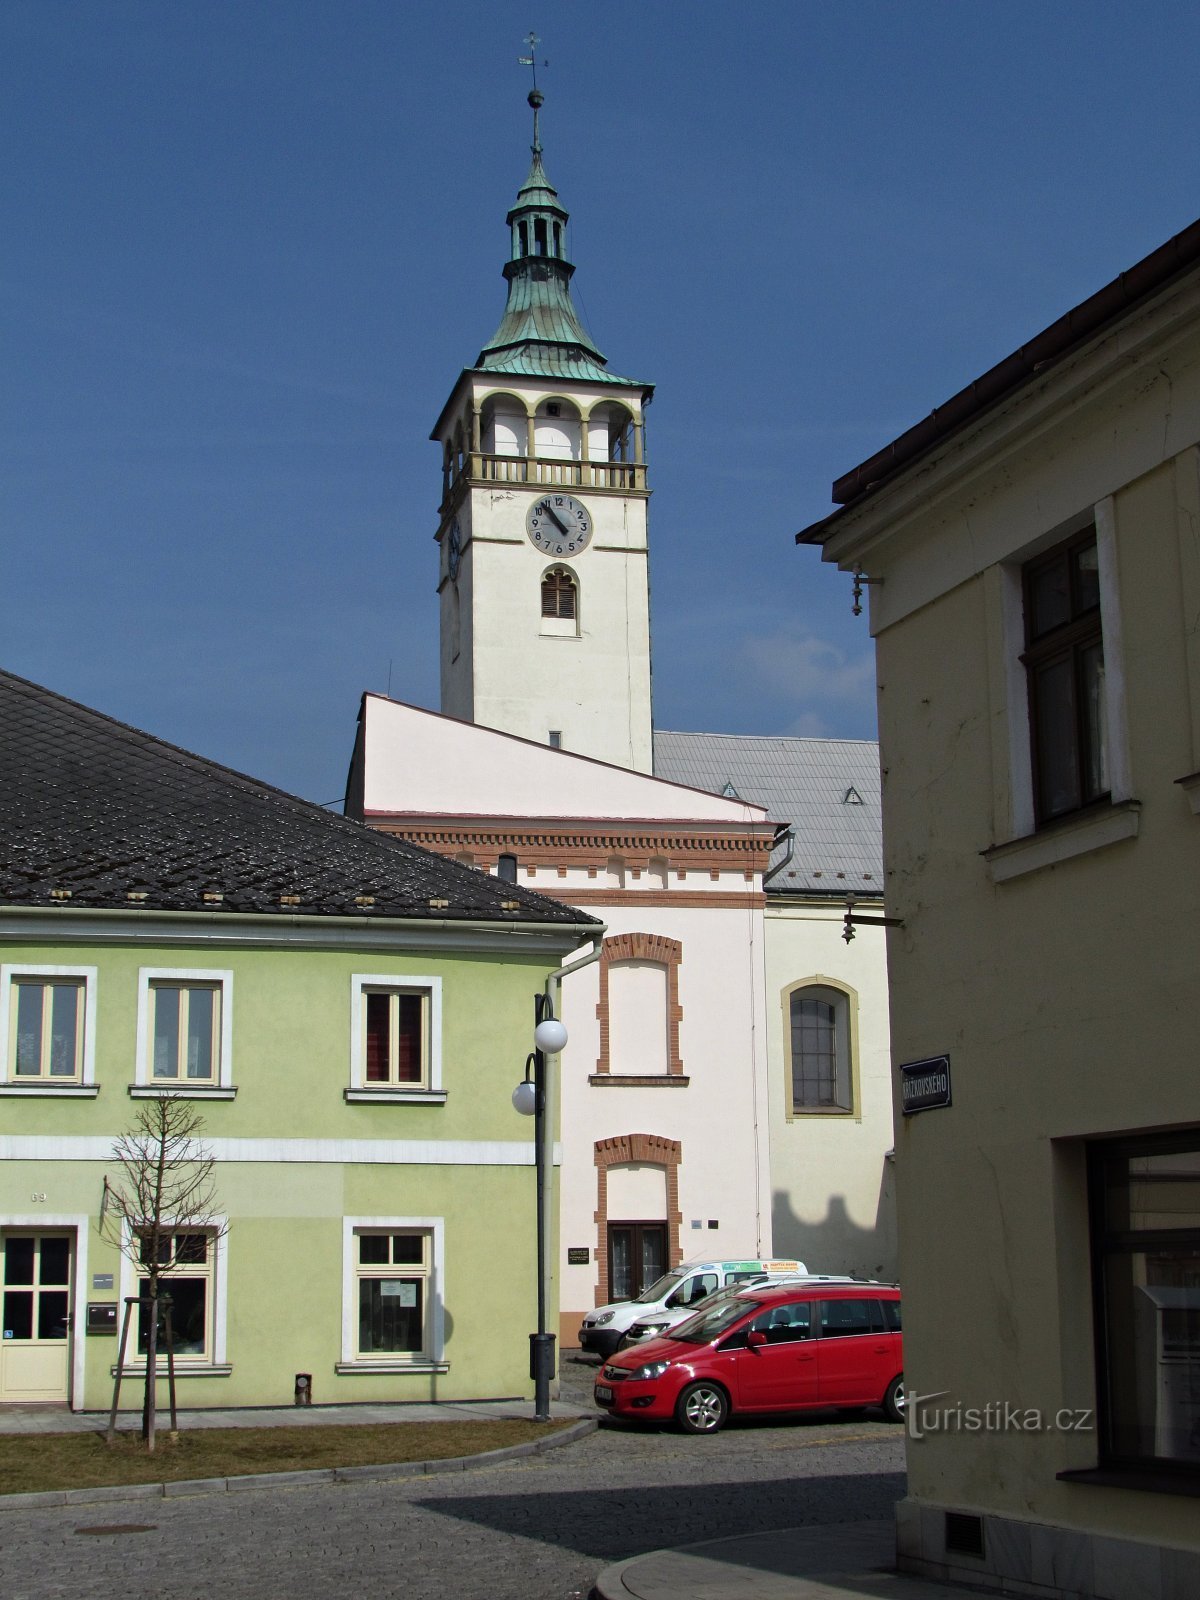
[[93, 807]]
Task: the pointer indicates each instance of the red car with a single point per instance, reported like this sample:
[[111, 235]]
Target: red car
[[767, 1349]]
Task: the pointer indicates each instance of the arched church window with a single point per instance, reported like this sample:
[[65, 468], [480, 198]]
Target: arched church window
[[559, 595]]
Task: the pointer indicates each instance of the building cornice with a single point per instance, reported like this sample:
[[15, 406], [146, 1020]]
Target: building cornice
[[588, 845], [1048, 402], [76, 925]]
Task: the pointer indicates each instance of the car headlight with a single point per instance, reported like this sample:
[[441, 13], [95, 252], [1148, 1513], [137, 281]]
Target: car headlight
[[653, 1369], [598, 1322]]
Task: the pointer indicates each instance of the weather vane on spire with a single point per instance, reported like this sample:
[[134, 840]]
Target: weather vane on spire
[[536, 97]]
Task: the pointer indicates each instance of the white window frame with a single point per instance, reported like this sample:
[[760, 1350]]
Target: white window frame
[[85, 1085], [1029, 847], [431, 1361], [360, 1090], [145, 1084], [217, 1229]]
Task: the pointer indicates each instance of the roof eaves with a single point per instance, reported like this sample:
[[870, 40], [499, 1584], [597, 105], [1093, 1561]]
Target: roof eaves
[[1146, 277]]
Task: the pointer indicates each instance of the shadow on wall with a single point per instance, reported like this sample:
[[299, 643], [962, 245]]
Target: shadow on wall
[[837, 1243]]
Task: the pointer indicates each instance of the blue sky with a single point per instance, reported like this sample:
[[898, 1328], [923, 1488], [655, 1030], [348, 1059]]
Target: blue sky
[[249, 245]]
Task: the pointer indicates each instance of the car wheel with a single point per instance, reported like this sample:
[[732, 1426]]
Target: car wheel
[[893, 1400], [702, 1408]]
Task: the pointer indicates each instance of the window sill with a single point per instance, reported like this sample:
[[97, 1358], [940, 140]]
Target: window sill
[[802, 1113], [182, 1091], [389, 1096], [77, 1091], [1146, 1479], [646, 1080], [1062, 841], [1191, 787], [183, 1369], [348, 1369]]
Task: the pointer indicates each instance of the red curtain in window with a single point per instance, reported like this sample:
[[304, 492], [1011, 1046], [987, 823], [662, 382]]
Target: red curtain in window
[[377, 1037], [408, 1042]]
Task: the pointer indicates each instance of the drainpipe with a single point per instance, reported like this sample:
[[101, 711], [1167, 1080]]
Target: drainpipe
[[551, 1088]]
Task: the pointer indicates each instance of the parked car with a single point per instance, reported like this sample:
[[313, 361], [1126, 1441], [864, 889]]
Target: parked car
[[682, 1289], [655, 1323], [764, 1349]]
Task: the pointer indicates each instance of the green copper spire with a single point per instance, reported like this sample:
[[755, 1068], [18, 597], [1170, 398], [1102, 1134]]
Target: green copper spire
[[540, 334]]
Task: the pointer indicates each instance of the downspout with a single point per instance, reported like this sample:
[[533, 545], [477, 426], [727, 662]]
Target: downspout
[[550, 1117]]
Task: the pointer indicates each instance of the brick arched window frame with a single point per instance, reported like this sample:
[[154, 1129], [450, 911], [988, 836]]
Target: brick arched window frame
[[650, 1149], [667, 953]]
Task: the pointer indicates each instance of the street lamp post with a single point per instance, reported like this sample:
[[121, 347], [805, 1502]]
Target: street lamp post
[[529, 1098]]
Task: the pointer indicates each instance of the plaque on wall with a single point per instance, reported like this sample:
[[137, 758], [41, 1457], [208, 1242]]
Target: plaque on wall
[[578, 1255]]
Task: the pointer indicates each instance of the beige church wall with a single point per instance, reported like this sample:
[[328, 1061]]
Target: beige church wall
[[832, 1188], [722, 1173], [1065, 995]]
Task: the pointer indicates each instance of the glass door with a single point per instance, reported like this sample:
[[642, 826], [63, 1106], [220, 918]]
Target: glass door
[[36, 1306], [637, 1256]]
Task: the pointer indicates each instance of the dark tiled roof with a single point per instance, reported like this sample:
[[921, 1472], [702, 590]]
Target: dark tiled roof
[[96, 814]]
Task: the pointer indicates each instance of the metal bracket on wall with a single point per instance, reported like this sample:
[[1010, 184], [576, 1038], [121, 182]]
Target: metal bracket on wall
[[860, 578], [850, 922]]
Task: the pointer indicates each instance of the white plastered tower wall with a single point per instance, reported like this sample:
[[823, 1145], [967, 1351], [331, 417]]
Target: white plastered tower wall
[[504, 665]]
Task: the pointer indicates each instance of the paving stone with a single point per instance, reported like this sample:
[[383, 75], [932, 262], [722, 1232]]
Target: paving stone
[[537, 1526]]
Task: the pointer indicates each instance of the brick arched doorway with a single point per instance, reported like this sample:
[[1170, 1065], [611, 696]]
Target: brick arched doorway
[[628, 1150]]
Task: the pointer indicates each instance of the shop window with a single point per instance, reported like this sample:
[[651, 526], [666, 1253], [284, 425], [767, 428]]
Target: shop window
[[1145, 1196], [188, 1262], [392, 1316]]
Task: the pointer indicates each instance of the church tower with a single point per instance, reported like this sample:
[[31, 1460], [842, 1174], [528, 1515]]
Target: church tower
[[545, 615]]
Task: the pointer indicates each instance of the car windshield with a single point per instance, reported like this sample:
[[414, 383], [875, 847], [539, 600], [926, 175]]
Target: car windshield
[[660, 1290], [712, 1322]]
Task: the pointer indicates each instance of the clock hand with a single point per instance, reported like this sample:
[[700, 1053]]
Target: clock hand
[[556, 520]]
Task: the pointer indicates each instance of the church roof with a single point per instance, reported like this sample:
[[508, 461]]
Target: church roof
[[828, 790], [540, 334], [95, 814]]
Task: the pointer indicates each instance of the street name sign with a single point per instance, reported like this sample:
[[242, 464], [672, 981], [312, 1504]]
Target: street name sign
[[924, 1085]]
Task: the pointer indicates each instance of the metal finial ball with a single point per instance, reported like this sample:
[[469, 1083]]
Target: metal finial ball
[[536, 99]]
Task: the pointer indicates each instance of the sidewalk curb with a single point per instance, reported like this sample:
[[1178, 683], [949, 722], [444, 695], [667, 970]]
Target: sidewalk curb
[[284, 1480]]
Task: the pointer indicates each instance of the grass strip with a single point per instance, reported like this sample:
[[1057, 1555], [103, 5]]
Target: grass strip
[[32, 1463]]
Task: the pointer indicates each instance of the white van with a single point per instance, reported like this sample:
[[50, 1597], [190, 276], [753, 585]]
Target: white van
[[675, 1296]]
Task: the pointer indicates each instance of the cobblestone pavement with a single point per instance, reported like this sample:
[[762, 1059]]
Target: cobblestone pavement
[[536, 1528]]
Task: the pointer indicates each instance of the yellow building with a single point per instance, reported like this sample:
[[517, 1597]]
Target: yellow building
[[1032, 555]]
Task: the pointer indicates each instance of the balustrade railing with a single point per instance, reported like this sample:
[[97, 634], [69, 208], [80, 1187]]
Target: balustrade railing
[[554, 472]]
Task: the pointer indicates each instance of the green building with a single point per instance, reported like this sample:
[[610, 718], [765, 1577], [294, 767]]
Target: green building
[[349, 1012]]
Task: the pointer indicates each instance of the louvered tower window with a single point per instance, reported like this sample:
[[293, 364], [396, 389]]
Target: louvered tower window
[[558, 595]]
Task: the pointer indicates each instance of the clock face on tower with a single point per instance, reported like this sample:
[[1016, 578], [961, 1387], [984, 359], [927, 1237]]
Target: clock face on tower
[[559, 525]]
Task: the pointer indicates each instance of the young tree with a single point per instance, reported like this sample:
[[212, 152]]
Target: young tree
[[164, 1187]]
